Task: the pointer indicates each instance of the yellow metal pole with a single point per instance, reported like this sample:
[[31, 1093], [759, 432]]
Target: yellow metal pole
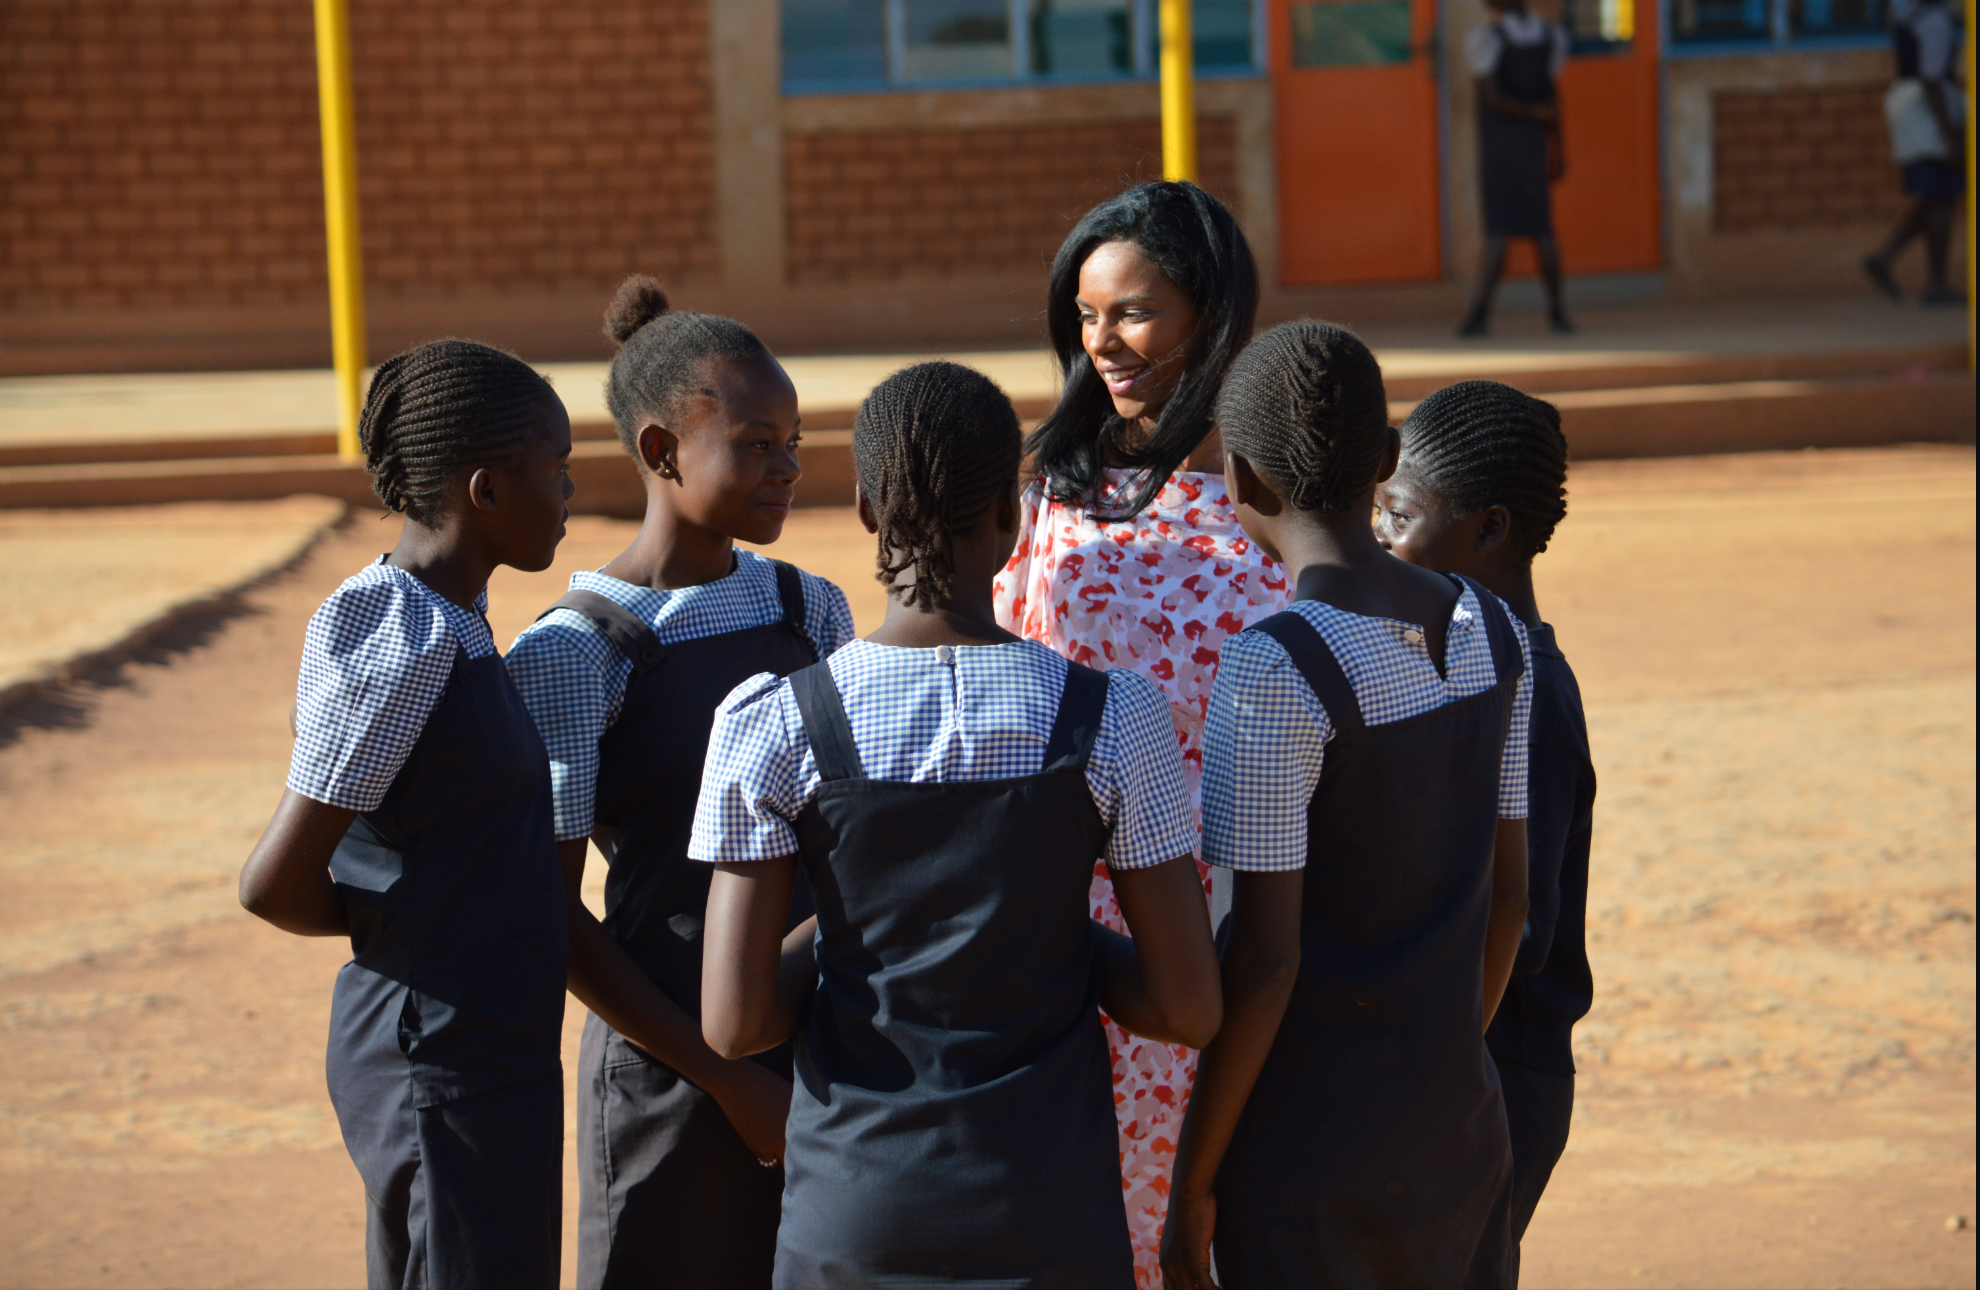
[[1179, 92], [340, 214]]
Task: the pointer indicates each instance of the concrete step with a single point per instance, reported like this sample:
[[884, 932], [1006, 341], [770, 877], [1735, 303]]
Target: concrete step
[[1649, 420]]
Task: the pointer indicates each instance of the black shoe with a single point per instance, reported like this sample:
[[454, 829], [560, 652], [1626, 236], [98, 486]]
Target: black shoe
[[1942, 295], [1475, 322], [1558, 321], [1880, 273]]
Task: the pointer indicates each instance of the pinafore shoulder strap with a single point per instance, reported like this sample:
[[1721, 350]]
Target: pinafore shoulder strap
[[1077, 726], [790, 593], [633, 638], [823, 712], [1315, 660]]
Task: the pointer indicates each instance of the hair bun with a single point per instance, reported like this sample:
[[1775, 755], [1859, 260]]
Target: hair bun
[[639, 301]]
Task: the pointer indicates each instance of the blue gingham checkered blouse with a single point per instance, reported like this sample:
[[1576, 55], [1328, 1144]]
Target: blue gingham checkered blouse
[[941, 716], [573, 679], [375, 662], [1267, 733]]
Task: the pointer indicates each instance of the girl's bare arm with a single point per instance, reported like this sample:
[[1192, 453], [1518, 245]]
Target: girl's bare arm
[[1163, 983], [754, 978], [1261, 963], [286, 879]]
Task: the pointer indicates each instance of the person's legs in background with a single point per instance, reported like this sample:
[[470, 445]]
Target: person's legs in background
[[1491, 265], [1550, 273], [1935, 188], [1938, 221], [1878, 263]]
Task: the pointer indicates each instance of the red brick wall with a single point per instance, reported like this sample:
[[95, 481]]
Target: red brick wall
[[1801, 158], [940, 202], [166, 151]]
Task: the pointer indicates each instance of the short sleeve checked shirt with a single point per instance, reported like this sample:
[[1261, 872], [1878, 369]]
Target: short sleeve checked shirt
[[375, 662], [941, 716], [1267, 733], [573, 679]]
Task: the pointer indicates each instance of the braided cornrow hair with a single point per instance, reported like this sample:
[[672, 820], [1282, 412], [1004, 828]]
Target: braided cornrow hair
[[442, 407], [1304, 405], [935, 445], [661, 353], [1481, 443]]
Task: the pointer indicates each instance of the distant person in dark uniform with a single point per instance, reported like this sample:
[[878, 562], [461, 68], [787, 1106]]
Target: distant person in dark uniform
[[1517, 59], [1928, 143]]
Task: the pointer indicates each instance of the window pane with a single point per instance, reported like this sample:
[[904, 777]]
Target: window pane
[[1222, 31], [1350, 33], [1597, 25], [1081, 38], [1702, 20], [958, 40], [827, 41], [1835, 17]]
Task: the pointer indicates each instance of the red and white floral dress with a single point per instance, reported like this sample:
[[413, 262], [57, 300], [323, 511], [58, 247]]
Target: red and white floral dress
[[1157, 593]]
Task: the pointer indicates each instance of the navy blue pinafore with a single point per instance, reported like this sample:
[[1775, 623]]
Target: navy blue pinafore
[[953, 1119], [446, 1025], [668, 1193], [1372, 1153]]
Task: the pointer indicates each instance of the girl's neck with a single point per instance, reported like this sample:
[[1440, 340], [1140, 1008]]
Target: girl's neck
[[1515, 587], [1341, 544], [964, 620], [442, 559], [671, 553]]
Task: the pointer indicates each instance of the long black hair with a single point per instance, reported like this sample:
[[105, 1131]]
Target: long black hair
[[1196, 242]]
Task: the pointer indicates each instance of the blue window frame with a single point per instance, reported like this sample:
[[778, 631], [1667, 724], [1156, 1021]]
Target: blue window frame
[[848, 45], [1714, 26]]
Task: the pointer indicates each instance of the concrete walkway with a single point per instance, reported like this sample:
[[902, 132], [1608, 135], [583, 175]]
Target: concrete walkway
[[1623, 345]]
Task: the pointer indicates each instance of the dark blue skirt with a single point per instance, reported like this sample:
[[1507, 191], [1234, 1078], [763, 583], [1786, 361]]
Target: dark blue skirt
[[1935, 178]]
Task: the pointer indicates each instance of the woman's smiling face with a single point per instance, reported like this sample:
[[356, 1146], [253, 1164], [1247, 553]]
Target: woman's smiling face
[[1137, 328]]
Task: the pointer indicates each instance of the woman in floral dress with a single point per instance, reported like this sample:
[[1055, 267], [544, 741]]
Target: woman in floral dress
[[1129, 553]]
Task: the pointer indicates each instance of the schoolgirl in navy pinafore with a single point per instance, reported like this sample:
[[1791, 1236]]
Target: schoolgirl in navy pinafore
[[445, 1026], [945, 1130], [1373, 1149], [669, 1193]]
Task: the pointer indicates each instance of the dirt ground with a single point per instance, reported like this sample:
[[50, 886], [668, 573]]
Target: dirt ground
[[1777, 1082]]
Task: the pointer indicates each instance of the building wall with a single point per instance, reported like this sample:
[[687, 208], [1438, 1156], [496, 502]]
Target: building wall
[[1815, 157], [163, 195], [164, 155], [1780, 176], [947, 202]]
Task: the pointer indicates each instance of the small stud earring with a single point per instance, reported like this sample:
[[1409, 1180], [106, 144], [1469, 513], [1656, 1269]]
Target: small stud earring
[[667, 470]]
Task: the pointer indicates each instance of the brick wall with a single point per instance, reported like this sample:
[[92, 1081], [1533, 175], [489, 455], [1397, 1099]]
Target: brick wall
[[1802, 158], [940, 202], [166, 151]]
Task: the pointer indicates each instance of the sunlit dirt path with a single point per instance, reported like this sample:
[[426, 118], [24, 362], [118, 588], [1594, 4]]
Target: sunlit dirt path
[[1777, 1081]]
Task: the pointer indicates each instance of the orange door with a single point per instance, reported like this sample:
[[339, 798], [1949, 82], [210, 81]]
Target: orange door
[[1356, 118], [1607, 207]]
